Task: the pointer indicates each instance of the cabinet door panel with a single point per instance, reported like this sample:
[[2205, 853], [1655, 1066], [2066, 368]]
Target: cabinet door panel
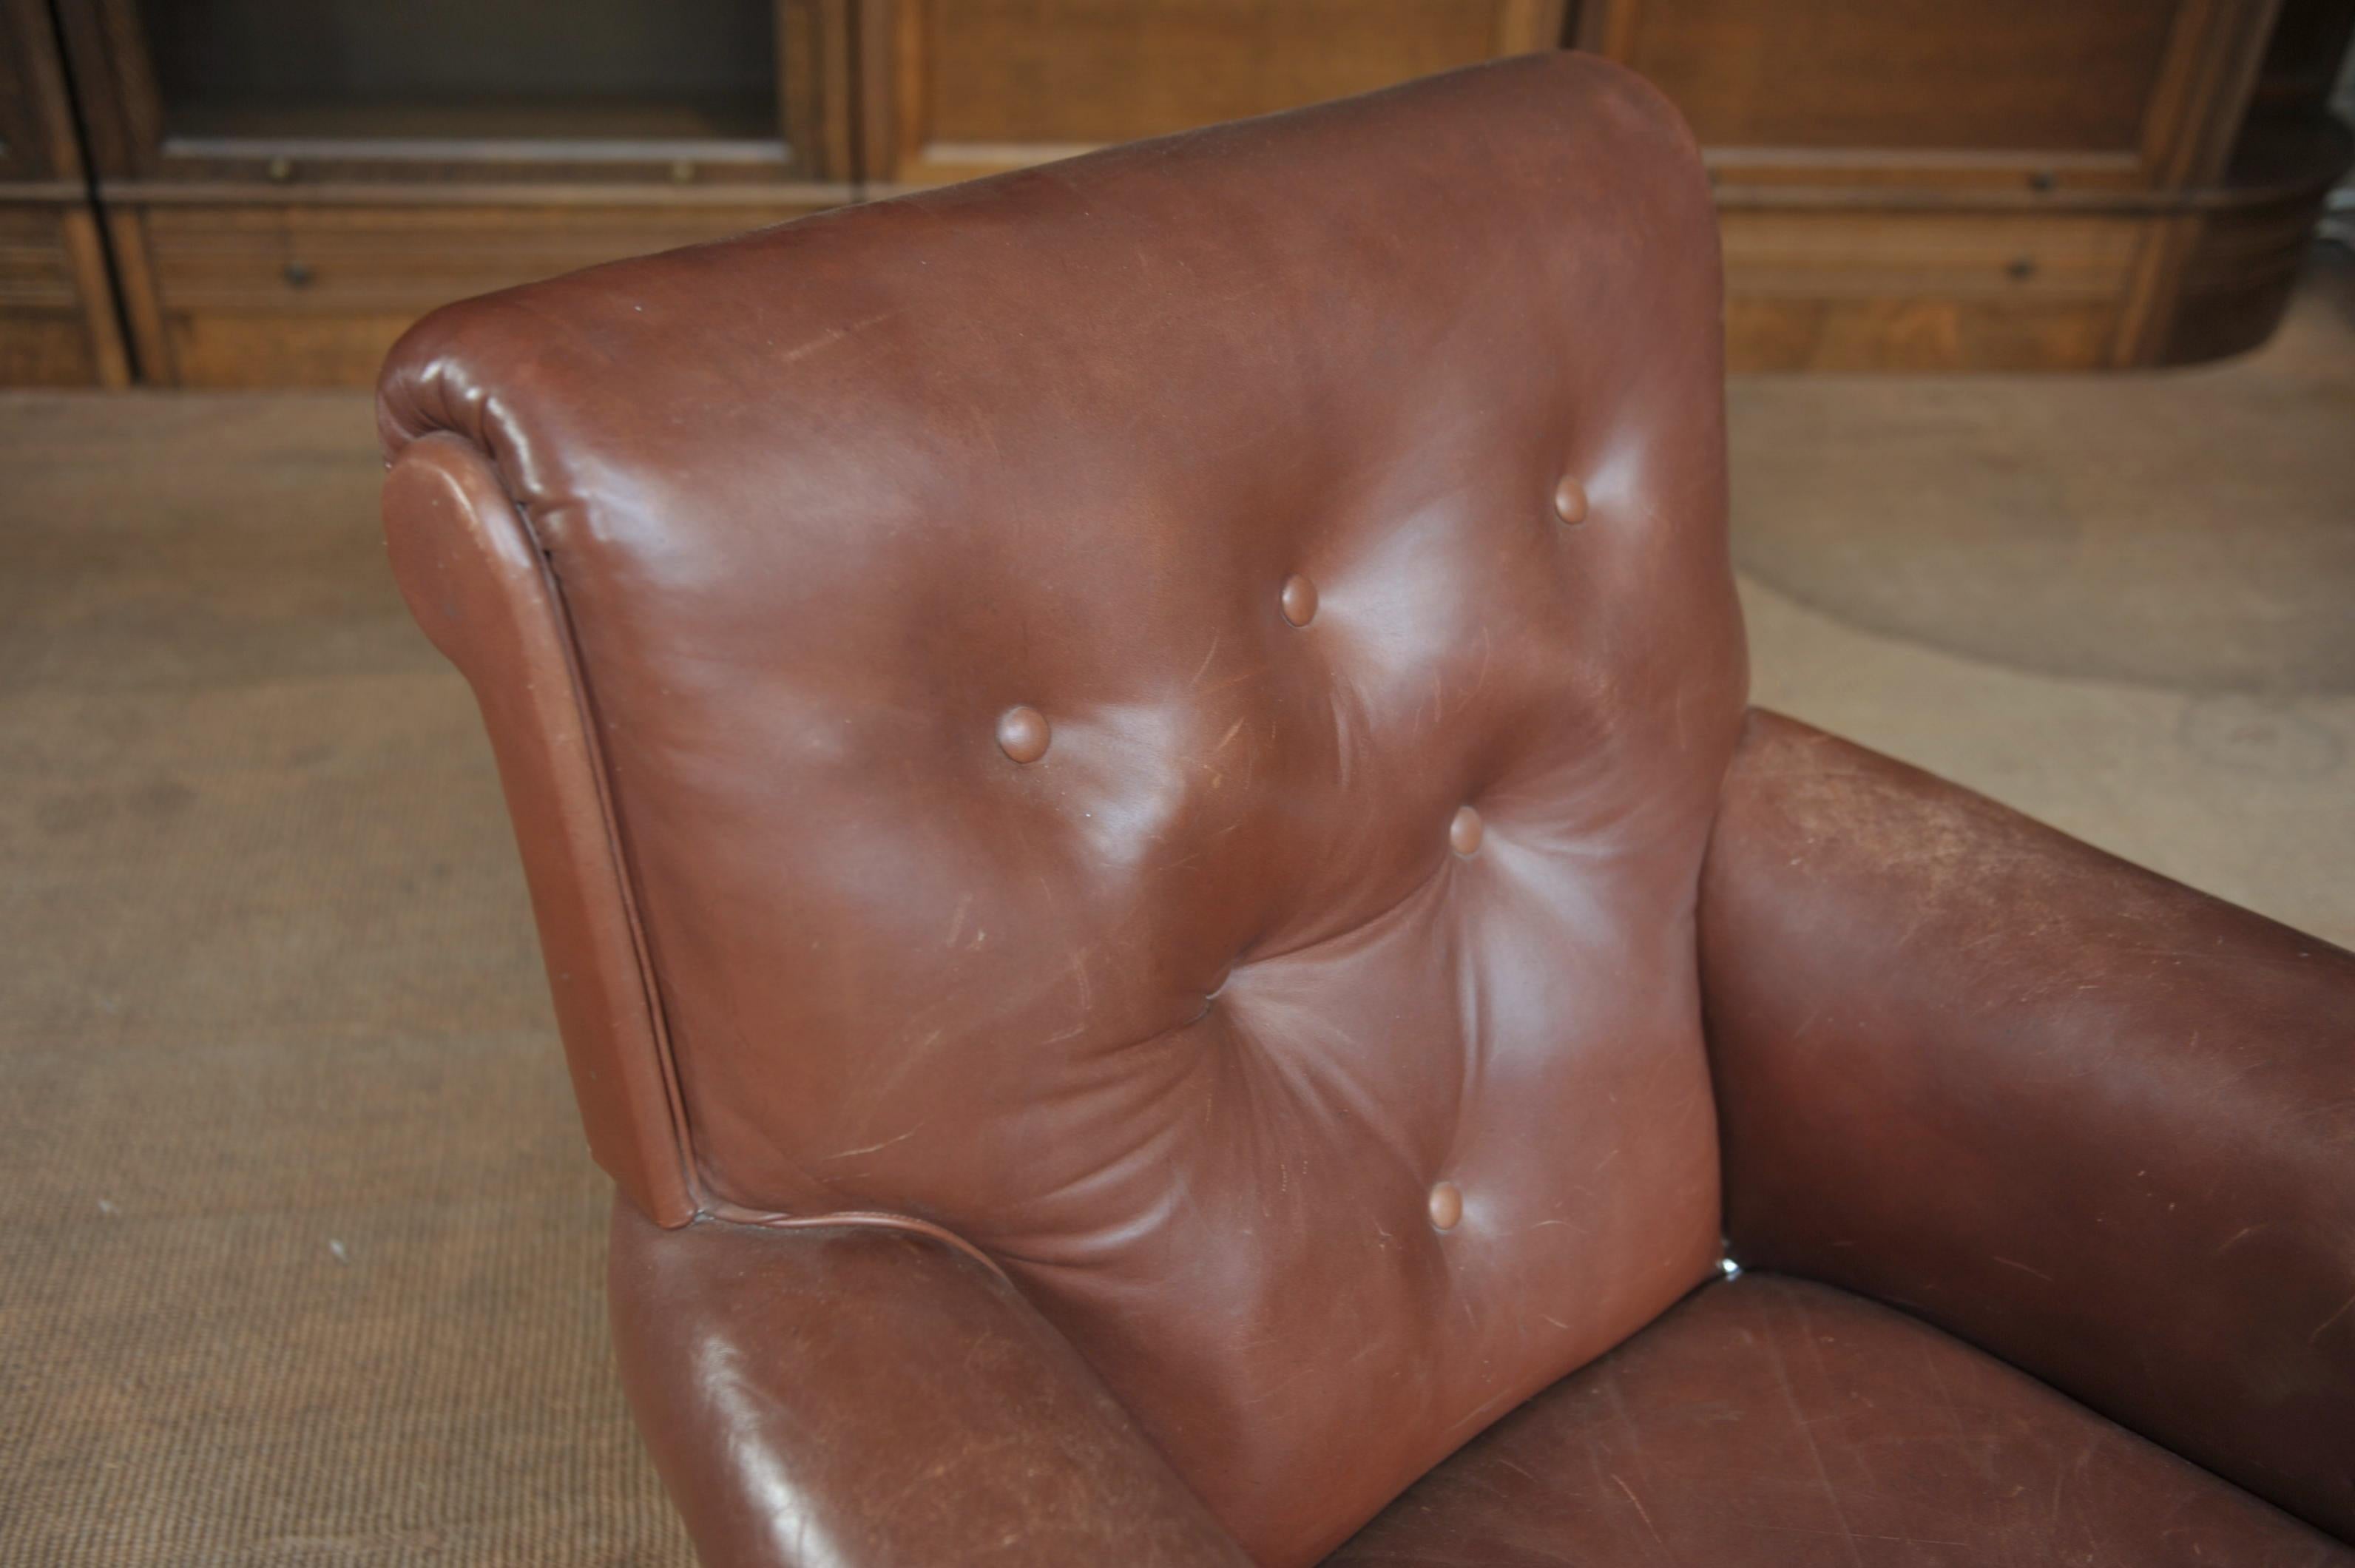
[[2028, 95], [2010, 75], [964, 87]]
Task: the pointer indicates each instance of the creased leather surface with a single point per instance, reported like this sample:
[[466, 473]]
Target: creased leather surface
[[857, 1395], [2094, 1120], [1773, 1422], [1183, 1021]]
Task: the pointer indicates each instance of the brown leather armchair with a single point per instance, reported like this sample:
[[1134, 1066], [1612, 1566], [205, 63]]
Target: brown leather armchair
[[1165, 908]]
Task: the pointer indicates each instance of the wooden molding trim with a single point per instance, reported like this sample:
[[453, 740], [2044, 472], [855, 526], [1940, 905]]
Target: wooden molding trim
[[95, 286], [126, 235], [2204, 87]]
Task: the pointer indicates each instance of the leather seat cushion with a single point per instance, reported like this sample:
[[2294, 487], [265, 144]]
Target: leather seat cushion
[[1768, 1419]]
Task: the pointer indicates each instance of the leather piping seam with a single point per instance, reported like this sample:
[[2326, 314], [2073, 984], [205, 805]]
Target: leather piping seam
[[866, 1219], [624, 889]]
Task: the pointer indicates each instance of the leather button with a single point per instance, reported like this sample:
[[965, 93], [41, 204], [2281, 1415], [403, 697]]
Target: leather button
[[1299, 599], [1022, 734], [1570, 501], [1446, 1206], [1464, 834]]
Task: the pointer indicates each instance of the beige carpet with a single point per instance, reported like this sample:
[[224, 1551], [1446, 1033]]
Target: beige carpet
[[299, 1259], [2193, 530], [299, 1256]]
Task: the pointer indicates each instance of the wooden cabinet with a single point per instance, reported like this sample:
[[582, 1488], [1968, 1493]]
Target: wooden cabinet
[[958, 88], [1928, 93], [266, 192], [286, 187], [2007, 185], [58, 321], [1905, 183]]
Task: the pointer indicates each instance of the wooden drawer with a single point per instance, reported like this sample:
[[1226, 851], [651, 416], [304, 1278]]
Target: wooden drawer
[[307, 294], [57, 326], [1967, 291]]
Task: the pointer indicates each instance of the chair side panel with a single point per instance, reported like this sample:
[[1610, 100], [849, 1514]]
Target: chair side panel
[[475, 582]]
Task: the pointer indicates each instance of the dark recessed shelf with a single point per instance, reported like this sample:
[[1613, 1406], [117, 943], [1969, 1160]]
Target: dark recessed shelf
[[380, 129], [466, 78]]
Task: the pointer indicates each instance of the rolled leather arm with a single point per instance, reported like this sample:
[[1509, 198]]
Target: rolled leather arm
[[855, 1395], [2097, 1123]]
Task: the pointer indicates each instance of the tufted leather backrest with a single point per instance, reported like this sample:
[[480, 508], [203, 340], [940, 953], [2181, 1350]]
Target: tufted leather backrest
[[1160, 715]]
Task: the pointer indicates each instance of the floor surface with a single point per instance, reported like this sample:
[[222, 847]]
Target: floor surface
[[299, 1253]]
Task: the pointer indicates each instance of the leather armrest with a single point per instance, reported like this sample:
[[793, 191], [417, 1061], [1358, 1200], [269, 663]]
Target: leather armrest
[[2097, 1123], [853, 1395]]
